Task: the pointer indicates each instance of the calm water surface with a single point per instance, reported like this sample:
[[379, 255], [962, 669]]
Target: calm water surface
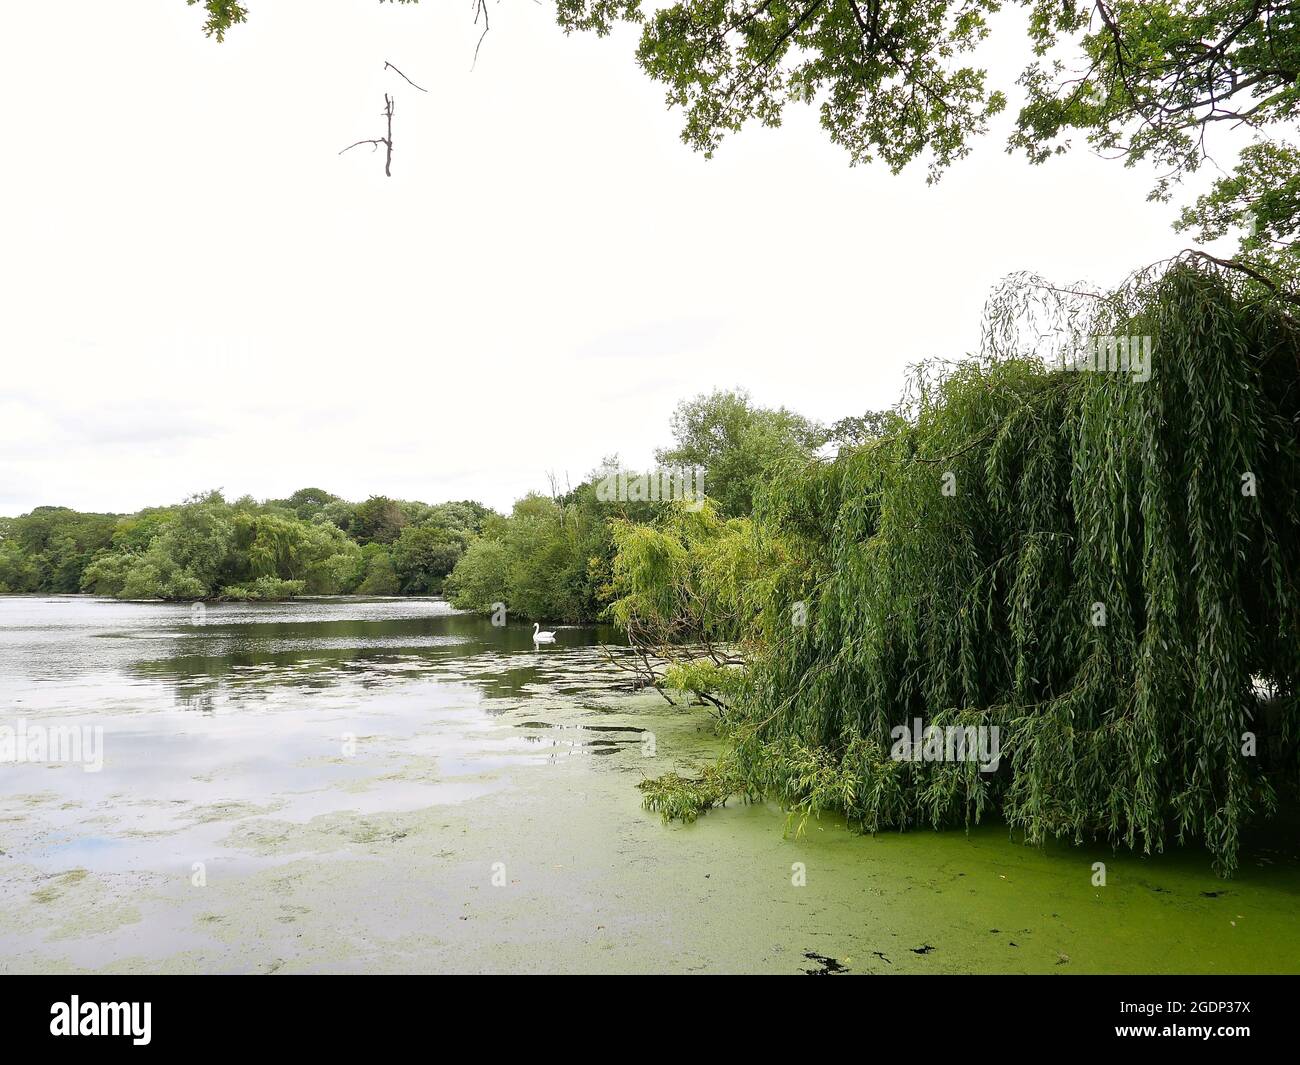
[[390, 785]]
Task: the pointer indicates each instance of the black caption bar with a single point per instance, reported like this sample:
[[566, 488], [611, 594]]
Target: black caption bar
[[333, 1013]]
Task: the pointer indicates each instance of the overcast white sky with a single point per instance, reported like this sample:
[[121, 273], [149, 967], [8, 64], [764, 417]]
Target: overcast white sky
[[197, 292]]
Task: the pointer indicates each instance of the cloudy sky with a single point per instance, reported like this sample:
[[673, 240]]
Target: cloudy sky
[[197, 291]]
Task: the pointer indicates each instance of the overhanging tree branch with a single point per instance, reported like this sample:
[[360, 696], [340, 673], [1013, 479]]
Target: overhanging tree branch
[[386, 141]]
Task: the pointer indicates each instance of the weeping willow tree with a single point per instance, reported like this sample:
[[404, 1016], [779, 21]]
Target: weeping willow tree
[[1104, 565]]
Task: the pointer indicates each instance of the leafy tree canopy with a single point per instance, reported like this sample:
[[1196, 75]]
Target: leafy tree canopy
[[379, 520], [308, 502], [1100, 565], [892, 79], [205, 547], [737, 444]]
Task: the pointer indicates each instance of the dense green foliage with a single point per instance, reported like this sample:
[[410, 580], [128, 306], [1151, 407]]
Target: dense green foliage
[[549, 560], [737, 444], [48, 549], [553, 558], [311, 543], [1170, 503]]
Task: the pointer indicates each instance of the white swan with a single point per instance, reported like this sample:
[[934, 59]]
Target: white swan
[[542, 637]]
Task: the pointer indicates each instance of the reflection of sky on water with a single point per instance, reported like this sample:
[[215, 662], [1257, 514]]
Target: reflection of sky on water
[[246, 716], [70, 654]]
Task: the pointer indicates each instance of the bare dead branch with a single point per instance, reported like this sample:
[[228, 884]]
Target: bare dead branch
[[389, 66], [480, 8], [387, 141]]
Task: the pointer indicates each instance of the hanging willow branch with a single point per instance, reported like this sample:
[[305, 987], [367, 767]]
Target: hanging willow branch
[[1111, 579]]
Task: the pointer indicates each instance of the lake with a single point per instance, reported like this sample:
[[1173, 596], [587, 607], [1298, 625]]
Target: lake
[[347, 784]]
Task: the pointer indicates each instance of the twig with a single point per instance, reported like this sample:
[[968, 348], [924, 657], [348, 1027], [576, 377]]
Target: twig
[[387, 142], [389, 66], [480, 8]]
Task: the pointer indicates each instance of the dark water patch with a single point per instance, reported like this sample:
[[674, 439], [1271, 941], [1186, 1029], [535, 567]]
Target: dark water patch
[[586, 728], [826, 966], [494, 711]]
